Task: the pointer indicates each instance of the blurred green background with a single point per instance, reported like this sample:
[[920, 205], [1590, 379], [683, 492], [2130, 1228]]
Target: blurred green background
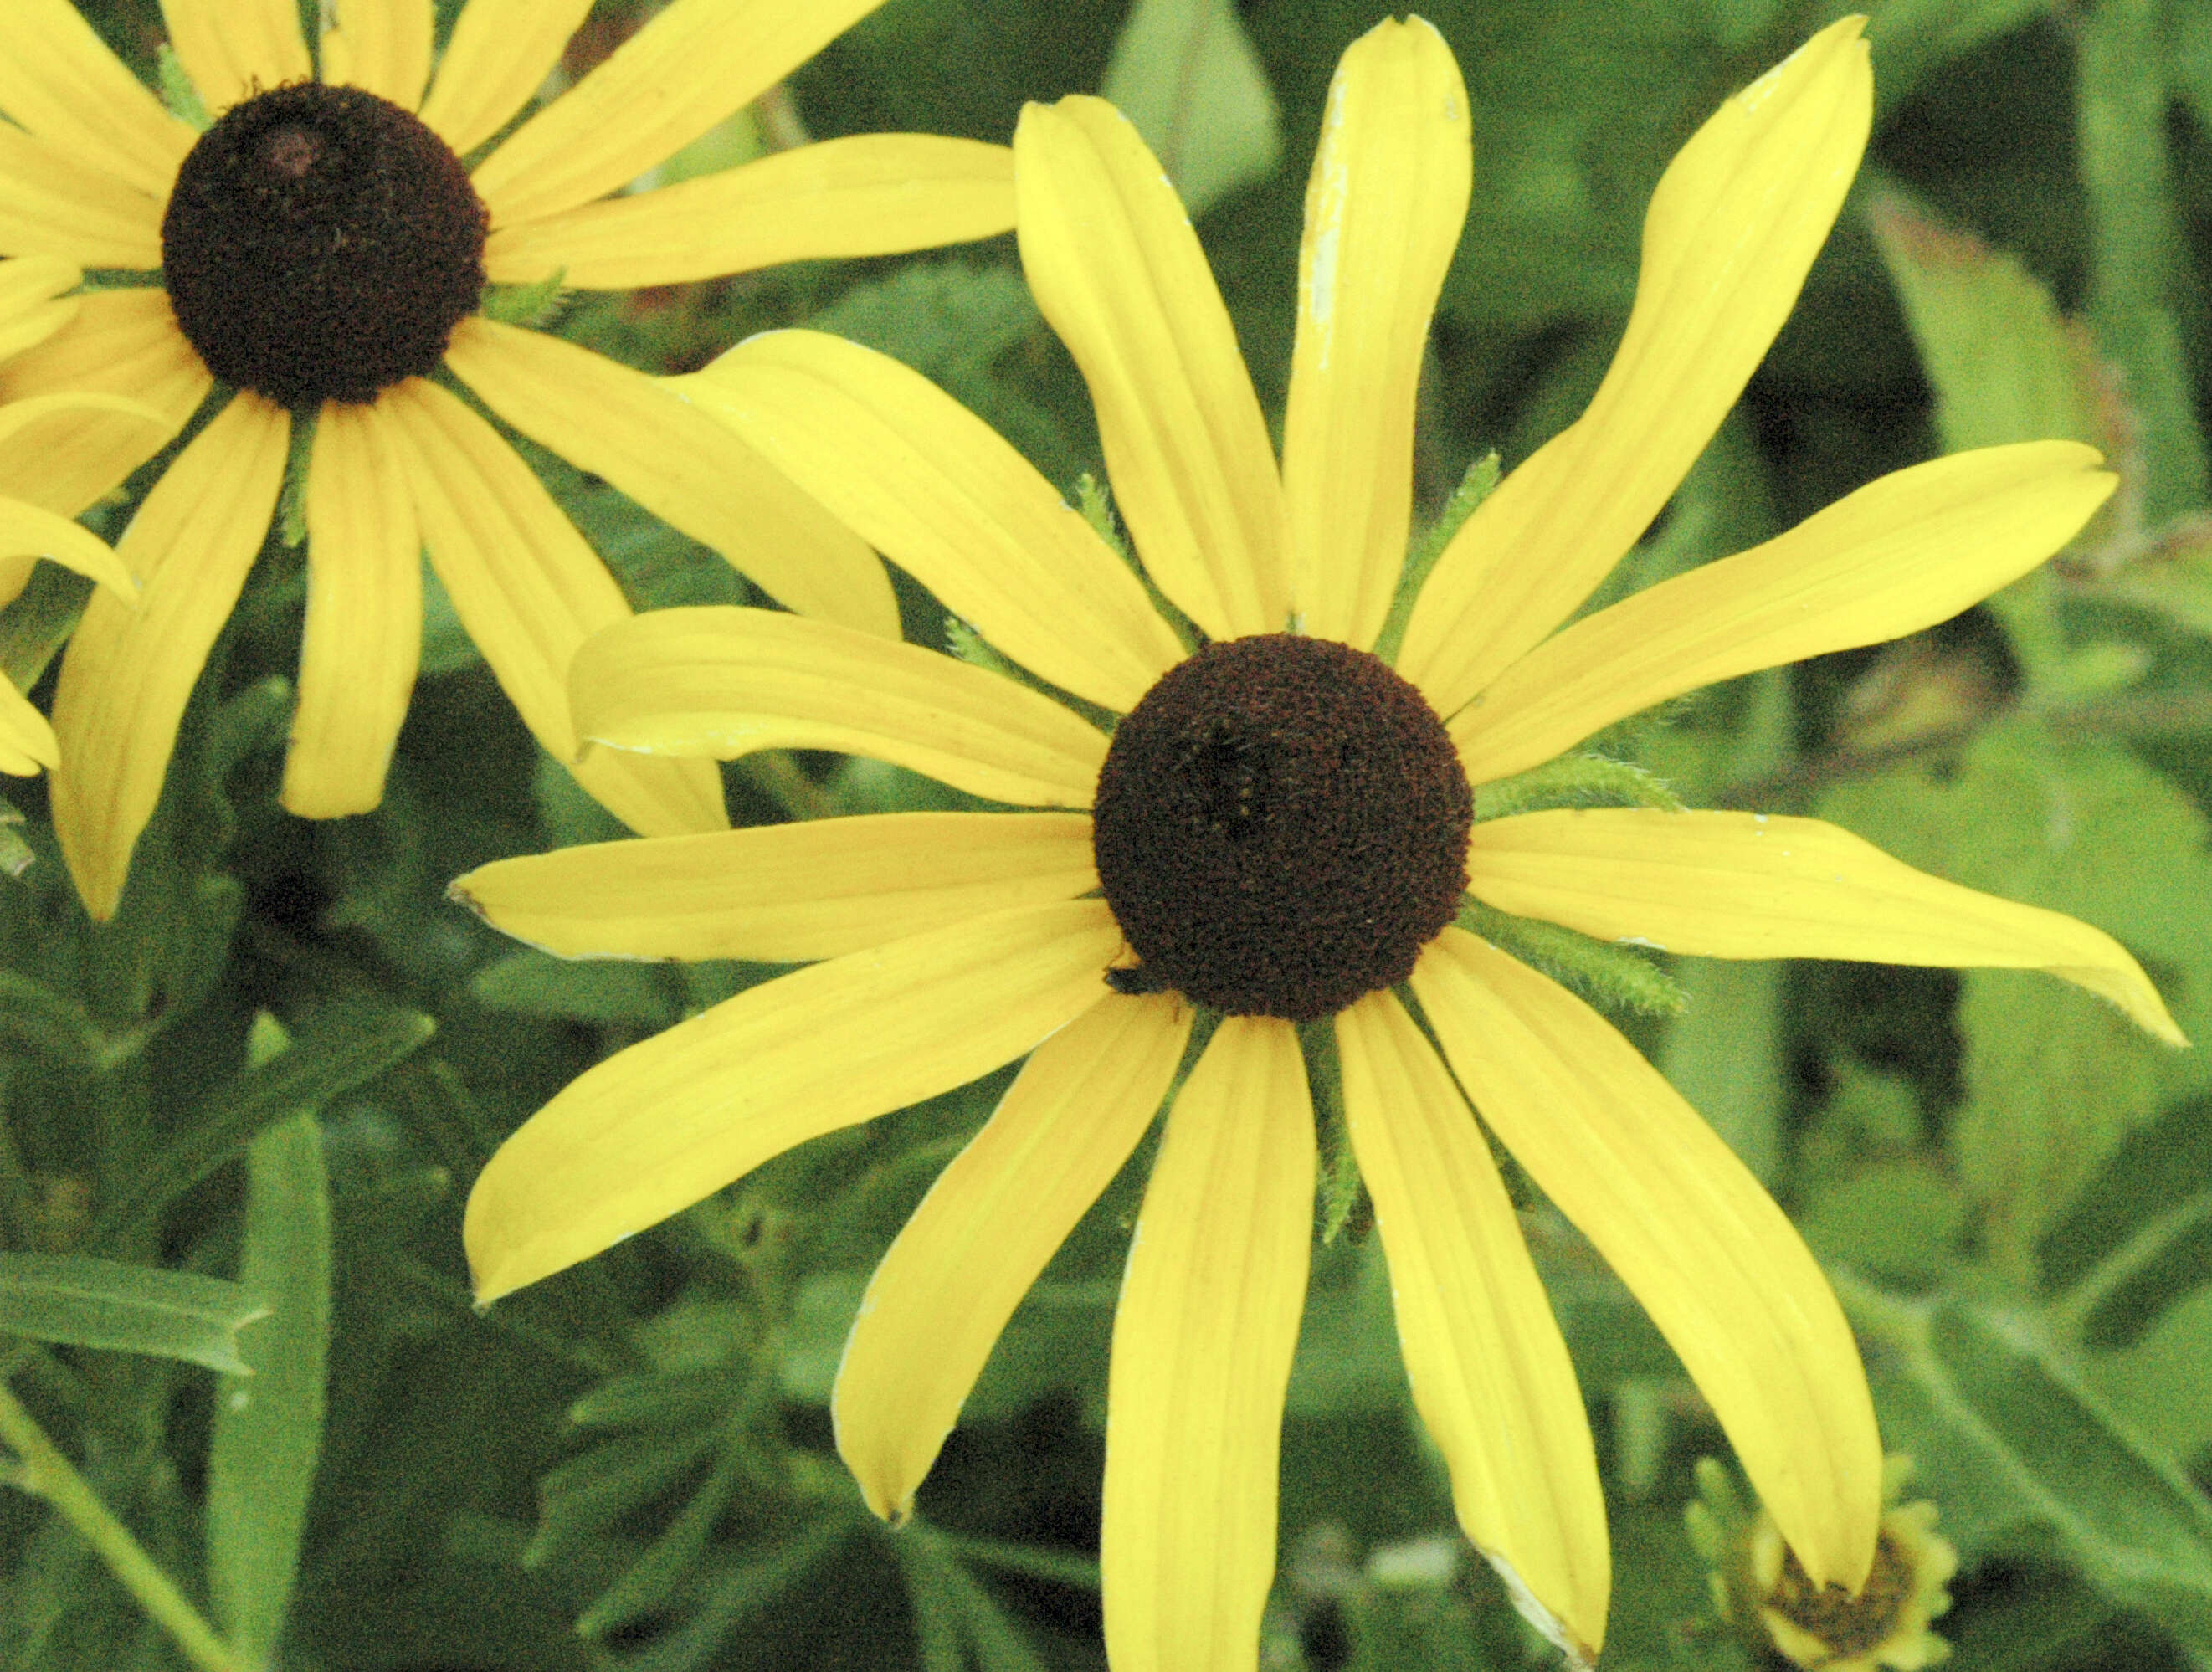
[[269, 1082]]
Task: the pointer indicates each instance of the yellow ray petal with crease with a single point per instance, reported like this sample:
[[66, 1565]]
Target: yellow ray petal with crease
[[364, 628], [783, 893], [58, 81], [529, 591], [33, 302], [1701, 1245], [961, 1264], [657, 1127], [129, 670], [1738, 884], [51, 204], [1203, 1337], [937, 490], [678, 463], [684, 72], [1731, 231], [500, 52], [382, 45], [867, 194], [1384, 206], [1489, 1371], [27, 740], [1906, 552], [232, 49], [29, 531], [121, 343], [725, 681], [1114, 266]]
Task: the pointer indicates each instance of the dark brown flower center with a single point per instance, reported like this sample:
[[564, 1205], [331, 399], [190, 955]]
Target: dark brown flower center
[[1848, 1624], [321, 244], [1281, 826]]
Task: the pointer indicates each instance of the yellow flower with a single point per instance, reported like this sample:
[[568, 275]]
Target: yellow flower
[[33, 306], [1306, 808], [320, 250]]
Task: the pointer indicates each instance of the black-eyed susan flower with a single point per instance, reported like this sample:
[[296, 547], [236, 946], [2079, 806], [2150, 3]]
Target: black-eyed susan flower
[[1765, 1597], [320, 250], [1275, 832], [34, 304]]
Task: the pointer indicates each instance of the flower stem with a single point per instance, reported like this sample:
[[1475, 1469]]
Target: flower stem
[[49, 1474]]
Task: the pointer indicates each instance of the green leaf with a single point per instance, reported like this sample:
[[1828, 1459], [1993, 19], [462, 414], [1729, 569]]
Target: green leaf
[[80, 1301], [2054, 1079], [2004, 364], [34, 1019], [342, 1048], [2158, 1386], [269, 1430], [737, 1594], [1913, 39], [2007, 1438], [2136, 253], [1185, 72], [613, 991]]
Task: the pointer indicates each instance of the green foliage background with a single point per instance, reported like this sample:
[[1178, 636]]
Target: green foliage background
[[240, 1121]]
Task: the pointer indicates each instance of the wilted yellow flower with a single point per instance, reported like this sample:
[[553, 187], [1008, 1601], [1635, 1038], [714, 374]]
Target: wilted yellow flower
[[320, 250], [1277, 826]]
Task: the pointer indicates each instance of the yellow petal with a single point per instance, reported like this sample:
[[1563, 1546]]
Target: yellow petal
[[1114, 266], [500, 52], [33, 301], [684, 72], [1490, 1375], [1714, 1261], [660, 1126], [234, 48], [122, 343], [128, 670], [529, 591], [870, 194], [27, 531], [53, 203], [382, 45], [678, 463], [1734, 226], [719, 681], [1203, 1337], [27, 741], [935, 1306], [783, 893], [937, 490], [58, 81], [1904, 552], [1738, 884], [364, 626], [1383, 209]]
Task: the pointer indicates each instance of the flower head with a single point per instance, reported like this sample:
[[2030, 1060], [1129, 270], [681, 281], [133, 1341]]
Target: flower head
[[1267, 759], [312, 259]]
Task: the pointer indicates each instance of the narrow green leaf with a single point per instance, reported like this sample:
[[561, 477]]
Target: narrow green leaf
[[80, 1301], [649, 1581], [1185, 72], [342, 1048], [2157, 1385], [737, 1594], [269, 1430], [34, 1019], [613, 991], [1724, 1052], [2136, 253]]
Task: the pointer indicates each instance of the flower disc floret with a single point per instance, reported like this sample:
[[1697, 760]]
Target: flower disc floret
[[322, 244], [1281, 825]]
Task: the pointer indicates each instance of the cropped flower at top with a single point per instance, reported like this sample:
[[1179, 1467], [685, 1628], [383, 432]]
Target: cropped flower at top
[[312, 257], [1276, 833]]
